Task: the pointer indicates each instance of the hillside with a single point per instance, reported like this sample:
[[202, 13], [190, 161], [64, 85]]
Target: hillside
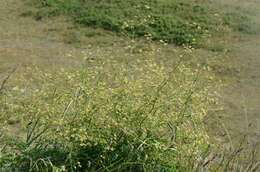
[[138, 85]]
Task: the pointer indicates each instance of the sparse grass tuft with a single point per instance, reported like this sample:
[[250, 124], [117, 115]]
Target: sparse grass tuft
[[239, 22]]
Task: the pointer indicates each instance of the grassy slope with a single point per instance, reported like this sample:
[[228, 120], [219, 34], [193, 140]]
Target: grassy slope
[[134, 80]]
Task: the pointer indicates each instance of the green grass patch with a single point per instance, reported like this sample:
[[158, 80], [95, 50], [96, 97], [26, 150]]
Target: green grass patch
[[173, 21]]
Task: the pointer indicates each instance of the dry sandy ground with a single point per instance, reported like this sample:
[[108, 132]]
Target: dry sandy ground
[[242, 98], [25, 41]]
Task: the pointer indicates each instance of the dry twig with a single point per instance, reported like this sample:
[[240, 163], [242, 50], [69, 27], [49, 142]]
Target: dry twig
[[2, 86]]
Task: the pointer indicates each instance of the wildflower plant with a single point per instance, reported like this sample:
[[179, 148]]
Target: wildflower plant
[[111, 116]]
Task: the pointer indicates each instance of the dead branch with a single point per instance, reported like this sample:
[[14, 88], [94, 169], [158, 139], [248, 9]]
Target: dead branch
[[2, 86]]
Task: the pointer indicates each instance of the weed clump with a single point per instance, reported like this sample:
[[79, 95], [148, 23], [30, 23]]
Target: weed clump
[[111, 116]]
